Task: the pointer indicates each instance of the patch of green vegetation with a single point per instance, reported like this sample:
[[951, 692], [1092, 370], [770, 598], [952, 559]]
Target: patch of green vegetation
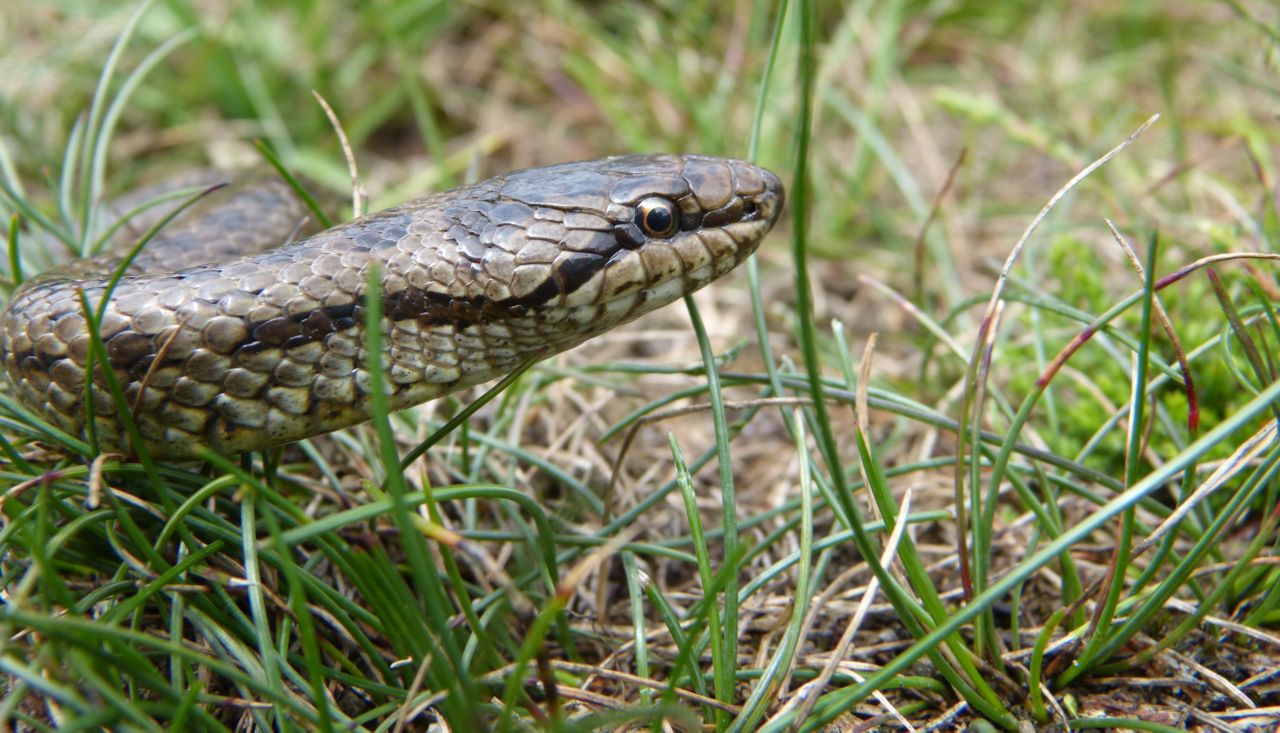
[[1098, 384]]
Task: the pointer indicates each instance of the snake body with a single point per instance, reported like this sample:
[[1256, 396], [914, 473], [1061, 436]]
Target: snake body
[[222, 337]]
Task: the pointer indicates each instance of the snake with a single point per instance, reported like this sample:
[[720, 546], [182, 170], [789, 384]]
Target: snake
[[228, 332]]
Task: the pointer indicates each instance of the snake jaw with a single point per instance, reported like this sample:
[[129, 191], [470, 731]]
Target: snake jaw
[[248, 351]]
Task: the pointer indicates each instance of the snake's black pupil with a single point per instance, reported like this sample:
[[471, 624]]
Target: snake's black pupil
[[658, 219]]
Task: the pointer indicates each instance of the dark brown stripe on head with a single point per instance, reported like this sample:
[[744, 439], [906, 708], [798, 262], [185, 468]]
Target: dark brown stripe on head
[[574, 271]]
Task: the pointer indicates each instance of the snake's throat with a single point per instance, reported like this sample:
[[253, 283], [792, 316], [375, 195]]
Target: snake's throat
[[248, 350]]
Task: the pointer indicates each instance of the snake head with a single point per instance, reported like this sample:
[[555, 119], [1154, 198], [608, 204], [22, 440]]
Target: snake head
[[597, 243]]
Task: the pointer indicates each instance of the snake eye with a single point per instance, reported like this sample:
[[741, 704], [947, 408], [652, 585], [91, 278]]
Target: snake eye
[[657, 217]]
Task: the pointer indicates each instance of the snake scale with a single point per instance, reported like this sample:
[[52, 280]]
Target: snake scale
[[225, 335]]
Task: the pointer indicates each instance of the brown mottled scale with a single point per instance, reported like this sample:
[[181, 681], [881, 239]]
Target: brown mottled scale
[[227, 336]]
